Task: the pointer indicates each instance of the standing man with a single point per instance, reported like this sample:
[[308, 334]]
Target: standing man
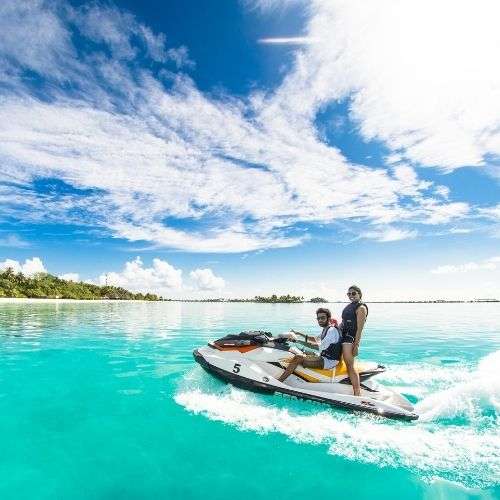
[[328, 343], [353, 320]]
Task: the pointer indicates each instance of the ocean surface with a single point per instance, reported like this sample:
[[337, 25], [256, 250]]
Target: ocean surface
[[104, 401]]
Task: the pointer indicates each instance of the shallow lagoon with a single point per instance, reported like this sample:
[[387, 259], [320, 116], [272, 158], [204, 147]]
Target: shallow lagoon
[[104, 401]]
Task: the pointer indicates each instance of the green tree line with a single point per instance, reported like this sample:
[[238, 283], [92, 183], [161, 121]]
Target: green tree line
[[47, 286], [279, 299]]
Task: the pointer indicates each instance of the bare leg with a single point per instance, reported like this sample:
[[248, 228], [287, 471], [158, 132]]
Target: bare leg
[[291, 367], [353, 374]]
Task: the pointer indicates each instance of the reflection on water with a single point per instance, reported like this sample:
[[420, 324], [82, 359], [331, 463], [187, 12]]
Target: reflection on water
[[394, 332]]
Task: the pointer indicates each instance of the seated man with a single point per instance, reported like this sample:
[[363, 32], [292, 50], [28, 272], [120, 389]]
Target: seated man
[[328, 343]]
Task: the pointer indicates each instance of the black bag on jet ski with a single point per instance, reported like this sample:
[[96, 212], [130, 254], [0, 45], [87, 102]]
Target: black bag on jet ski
[[257, 337]]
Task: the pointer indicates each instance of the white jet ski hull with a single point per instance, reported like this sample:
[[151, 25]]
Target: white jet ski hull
[[259, 370]]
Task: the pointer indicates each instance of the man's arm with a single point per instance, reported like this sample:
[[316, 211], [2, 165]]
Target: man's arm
[[309, 340]]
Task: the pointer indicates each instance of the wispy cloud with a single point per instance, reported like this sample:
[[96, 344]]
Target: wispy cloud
[[273, 5], [430, 99], [141, 144], [492, 213], [389, 234], [485, 265], [13, 241], [292, 40]]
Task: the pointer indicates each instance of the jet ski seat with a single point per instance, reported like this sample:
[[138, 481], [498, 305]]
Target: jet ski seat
[[340, 369]]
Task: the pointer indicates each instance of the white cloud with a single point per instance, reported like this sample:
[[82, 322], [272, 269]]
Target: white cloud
[[488, 265], [272, 5], [442, 213], [244, 172], [180, 56], [492, 213], [75, 277], [29, 268], [231, 239], [161, 278], [109, 26], [274, 197], [389, 234], [431, 99], [13, 241], [35, 38], [393, 158], [443, 191], [292, 40], [205, 279]]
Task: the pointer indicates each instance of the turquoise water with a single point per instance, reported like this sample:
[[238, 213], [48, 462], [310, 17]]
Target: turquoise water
[[104, 401]]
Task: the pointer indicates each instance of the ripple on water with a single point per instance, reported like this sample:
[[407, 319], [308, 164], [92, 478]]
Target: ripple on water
[[132, 373], [130, 392]]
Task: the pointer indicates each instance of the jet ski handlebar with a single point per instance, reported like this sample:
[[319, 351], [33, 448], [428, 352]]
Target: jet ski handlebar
[[281, 340]]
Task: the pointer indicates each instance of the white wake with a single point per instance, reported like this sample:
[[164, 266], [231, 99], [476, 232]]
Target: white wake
[[468, 454]]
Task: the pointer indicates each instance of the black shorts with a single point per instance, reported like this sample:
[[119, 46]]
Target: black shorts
[[347, 339]]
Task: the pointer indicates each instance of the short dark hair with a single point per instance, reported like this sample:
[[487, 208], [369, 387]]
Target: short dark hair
[[355, 287], [324, 310]]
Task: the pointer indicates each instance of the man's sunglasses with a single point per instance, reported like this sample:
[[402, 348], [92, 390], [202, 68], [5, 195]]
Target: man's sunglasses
[[352, 293], [320, 318]]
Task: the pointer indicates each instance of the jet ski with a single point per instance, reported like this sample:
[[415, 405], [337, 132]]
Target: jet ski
[[255, 359]]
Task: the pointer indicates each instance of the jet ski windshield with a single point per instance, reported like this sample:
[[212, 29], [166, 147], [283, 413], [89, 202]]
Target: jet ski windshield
[[257, 337]]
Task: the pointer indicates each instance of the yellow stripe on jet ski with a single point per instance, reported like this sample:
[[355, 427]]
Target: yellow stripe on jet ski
[[340, 369], [300, 371], [308, 373], [324, 373], [306, 376]]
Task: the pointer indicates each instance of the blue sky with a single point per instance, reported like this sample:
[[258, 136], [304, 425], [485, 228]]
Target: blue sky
[[237, 148]]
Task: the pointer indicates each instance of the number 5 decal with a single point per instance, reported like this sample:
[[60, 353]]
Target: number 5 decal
[[236, 368]]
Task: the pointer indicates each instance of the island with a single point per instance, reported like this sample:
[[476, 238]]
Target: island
[[47, 286]]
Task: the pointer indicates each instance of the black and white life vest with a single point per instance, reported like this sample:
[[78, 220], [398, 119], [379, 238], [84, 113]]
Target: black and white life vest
[[334, 350], [350, 319]]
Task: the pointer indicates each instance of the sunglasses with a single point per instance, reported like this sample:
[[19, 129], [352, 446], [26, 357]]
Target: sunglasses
[[352, 293], [320, 318]]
